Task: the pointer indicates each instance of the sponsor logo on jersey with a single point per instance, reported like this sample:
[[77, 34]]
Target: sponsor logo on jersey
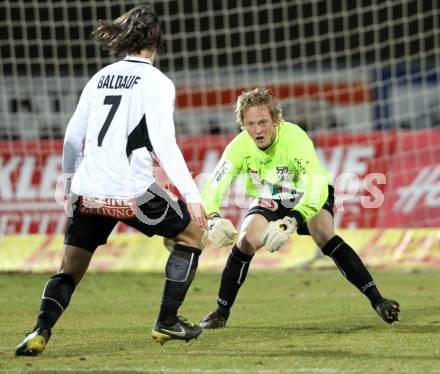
[[283, 173], [265, 203], [109, 207]]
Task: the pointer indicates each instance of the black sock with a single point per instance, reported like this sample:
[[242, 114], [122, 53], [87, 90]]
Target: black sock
[[352, 267], [56, 298], [234, 275], [179, 273]]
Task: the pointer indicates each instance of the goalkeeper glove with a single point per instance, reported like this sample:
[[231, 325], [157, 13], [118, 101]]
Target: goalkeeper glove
[[221, 232], [276, 233]]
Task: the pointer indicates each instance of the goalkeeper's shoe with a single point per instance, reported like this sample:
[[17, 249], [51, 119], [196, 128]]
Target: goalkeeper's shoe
[[213, 320], [182, 330], [388, 310], [33, 343]]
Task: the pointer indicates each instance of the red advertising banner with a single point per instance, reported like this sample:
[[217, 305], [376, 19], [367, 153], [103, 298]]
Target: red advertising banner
[[413, 188], [382, 179]]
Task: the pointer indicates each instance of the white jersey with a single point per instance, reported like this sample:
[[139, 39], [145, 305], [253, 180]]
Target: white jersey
[[124, 115]]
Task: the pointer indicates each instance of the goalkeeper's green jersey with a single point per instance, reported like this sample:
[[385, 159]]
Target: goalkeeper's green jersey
[[288, 170]]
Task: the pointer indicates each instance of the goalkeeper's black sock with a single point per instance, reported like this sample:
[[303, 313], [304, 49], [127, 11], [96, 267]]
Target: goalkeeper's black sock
[[234, 275], [56, 297], [179, 274], [352, 267]]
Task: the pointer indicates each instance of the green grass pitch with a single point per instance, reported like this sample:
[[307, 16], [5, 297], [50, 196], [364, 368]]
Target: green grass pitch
[[283, 322]]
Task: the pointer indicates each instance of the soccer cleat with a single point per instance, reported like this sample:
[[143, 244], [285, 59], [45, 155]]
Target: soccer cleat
[[33, 343], [388, 310], [181, 330], [213, 320]]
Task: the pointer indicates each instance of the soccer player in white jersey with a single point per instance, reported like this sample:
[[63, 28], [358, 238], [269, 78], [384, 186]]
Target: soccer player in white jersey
[[123, 121]]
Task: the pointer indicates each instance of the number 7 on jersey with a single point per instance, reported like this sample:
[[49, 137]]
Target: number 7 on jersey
[[114, 101]]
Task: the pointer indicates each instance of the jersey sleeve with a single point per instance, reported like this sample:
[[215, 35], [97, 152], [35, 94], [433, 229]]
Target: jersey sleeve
[[161, 131], [310, 179], [75, 135], [219, 182]]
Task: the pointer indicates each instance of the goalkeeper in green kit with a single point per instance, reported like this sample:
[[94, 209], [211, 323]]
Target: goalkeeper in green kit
[[292, 192]]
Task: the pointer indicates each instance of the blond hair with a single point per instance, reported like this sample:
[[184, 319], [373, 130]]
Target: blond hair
[[256, 97]]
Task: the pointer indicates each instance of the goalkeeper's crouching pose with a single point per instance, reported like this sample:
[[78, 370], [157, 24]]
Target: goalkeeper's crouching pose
[[281, 170]]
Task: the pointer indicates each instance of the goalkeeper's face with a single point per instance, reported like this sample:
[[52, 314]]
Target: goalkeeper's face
[[259, 124]]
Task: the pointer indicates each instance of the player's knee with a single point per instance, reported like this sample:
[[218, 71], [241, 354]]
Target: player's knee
[[322, 234], [191, 236], [322, 239], [249, 242]]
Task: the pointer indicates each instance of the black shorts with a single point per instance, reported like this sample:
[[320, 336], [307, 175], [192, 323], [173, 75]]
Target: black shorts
[[160, 215], [281, 211]]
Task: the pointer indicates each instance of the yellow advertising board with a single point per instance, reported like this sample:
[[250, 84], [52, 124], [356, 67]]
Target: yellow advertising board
[[388, 248]]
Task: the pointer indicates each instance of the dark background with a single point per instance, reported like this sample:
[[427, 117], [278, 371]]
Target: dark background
[[341, 33]]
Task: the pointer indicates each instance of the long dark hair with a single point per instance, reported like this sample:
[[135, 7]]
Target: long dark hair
[[135, 30]]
